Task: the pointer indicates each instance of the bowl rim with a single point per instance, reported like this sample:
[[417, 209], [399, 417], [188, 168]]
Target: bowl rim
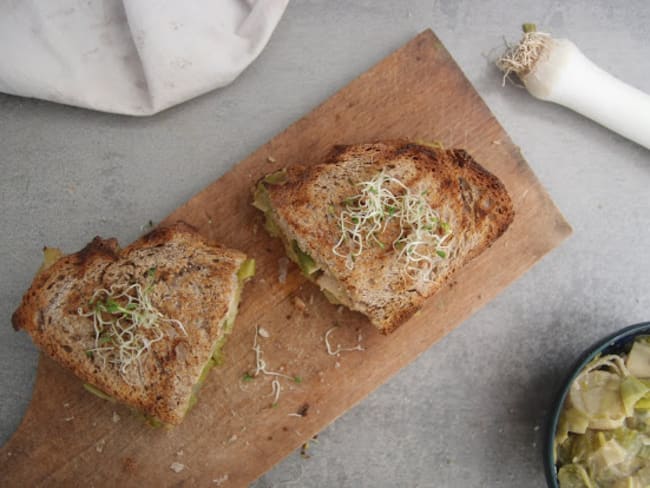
[[616, 339]]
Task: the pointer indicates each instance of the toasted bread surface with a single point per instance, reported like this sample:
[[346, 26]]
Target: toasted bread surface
[[187, 280], [471, 200]]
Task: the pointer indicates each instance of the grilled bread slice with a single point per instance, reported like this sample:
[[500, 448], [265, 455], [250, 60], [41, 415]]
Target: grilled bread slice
[[143, 324], [381, 227]]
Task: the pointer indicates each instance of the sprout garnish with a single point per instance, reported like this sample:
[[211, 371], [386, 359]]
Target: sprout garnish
[[422, 238], [126, 324], [261, 367], [339, 349]]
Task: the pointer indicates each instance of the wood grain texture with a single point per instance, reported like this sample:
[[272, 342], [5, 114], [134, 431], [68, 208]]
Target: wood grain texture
[[69, 438]]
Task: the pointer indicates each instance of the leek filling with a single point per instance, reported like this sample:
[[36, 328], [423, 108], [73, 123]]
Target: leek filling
[[603, 436], [98, 393], [245, 272], [328, 284], [50, 256]]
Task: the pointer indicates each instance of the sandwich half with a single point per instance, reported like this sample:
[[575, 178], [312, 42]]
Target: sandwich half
[[142, 325], [380, 227]]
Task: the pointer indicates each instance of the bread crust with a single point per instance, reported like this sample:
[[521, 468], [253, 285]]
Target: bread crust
[[193, 282], [472, 200]]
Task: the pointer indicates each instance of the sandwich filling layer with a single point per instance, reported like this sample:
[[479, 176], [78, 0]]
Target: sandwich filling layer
[[312, 270]]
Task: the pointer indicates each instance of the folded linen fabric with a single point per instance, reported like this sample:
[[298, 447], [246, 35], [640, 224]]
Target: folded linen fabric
[[134, 57]]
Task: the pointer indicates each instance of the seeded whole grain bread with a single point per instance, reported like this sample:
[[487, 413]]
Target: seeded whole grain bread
[[473, 201], [188, 279]]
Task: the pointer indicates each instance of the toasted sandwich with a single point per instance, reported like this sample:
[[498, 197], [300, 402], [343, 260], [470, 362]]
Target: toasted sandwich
[[381, 227], [141, 325]]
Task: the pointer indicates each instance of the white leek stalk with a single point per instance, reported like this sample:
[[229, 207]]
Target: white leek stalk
[[555, 70]]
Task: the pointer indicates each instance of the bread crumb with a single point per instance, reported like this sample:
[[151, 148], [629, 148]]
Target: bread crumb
[[116, 417], [176, 467], [337, 364], [303, 451], [497, 142], [220, 480], [299, 304], [179, 453], [233, 438], [340, 309], [66, 405], [283, 267], [263, 332], [271, 159], [68, 419], [148, 226], [99, 447], [129, 465], [311, 299]]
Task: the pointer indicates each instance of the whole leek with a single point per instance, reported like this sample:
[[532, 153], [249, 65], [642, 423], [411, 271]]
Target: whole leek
[[555, 70]]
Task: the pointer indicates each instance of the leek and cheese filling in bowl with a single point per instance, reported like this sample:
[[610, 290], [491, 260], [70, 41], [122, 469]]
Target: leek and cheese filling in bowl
[[598, 434]]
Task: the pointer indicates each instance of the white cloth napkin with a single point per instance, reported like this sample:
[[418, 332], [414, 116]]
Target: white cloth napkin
[[134, 57]]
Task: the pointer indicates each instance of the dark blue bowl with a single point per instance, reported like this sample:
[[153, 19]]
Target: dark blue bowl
[[618, 342]]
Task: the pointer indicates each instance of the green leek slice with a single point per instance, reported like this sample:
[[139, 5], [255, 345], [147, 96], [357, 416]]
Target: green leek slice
[[98, 393], [247, 270], [574, 476], [305, 261], [632, 390], [277, 178]]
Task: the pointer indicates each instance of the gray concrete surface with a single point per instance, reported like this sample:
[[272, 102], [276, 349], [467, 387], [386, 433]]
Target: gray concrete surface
[[468, 412]]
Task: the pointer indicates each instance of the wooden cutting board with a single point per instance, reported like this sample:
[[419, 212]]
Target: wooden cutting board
[[234, 434]]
